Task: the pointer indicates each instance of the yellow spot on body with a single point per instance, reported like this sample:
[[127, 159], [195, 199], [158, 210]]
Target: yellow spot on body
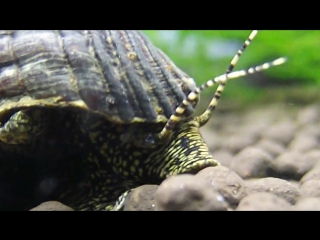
[[93, 136], [109, 39], [96, 124], [136, 162], [132, 169], [132, 56], [25, 99], [73, 80], [79, 103], [127, 46], [124, 164], [159, 110], [108, 180], [126, 173], [127, 147]]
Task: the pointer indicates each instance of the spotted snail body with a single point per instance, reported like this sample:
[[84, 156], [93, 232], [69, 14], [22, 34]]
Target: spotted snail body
[[86, 116]]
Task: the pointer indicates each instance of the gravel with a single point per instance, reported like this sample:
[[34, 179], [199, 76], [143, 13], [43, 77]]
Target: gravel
[[270, 160], [51, 206], [188, 192]]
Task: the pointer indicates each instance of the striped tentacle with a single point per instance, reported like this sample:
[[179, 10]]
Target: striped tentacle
[[176, 116], [221, 80]]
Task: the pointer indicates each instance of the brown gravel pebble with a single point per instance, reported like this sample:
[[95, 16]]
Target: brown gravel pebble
[[263, 116], [211, 138], [253, 130], [282, 132], [277, 186], [307, 204], [304, 143], [313, 174], [226, 181], [223, 156], [141, 198], [310, 188], [292, 165], [294, 183], [251, 162], [308, 115], [313, 157], [238, 142], [272, 147], [52, 206], [309, 130], [263, 201], [187, 192]]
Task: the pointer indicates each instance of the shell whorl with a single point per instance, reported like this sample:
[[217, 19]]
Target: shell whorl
[[118, 73]]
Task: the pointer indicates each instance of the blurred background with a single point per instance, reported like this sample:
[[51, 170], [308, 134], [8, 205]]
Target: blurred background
[[206, 54]]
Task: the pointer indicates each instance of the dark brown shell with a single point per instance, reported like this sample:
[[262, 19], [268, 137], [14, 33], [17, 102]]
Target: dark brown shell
[[118, 73]]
